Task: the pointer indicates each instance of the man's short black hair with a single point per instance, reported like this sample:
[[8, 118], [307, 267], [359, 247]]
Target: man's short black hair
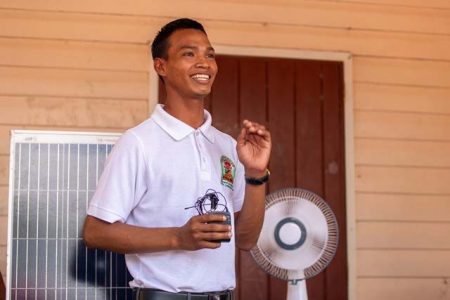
[[161, 42]]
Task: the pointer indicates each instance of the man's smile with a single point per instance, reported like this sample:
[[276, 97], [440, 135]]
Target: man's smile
[[201, 78]]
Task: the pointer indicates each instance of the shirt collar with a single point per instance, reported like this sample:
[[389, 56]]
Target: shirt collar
[[177, 129]]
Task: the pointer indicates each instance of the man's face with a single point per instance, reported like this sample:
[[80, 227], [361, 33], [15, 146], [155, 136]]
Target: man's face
[[190, 68]]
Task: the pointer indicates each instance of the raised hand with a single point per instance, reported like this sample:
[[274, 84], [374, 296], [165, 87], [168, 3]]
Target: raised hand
[[253, 147]]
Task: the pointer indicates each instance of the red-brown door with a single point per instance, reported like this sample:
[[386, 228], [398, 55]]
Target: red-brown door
[[301, 102]]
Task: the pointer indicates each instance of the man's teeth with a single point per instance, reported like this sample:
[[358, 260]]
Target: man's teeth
[[200, 77]]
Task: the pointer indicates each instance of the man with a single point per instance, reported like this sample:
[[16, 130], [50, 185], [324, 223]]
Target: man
[[169, 183]]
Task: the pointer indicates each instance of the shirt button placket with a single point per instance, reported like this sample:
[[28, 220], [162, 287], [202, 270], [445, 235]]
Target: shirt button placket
[[200, 151]]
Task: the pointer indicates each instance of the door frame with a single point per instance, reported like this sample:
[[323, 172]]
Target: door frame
[[347, 60]]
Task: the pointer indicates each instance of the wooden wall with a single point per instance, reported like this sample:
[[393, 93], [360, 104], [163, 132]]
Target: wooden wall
[[83, 65]]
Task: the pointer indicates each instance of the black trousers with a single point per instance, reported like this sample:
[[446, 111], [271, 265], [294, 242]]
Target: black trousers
[[152, 294]]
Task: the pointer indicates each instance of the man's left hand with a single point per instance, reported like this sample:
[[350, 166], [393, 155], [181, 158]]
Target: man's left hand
[[253, 147]]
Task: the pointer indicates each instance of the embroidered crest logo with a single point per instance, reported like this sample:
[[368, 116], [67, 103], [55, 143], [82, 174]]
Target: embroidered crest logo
[[228, 171]]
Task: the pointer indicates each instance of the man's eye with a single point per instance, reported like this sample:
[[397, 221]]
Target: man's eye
[[188, 54], [211, 55]]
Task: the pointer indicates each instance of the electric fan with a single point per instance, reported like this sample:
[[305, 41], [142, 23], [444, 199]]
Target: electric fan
[[298, 239]]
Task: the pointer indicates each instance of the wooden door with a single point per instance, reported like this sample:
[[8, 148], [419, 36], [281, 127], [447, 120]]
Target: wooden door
[[301, 102]]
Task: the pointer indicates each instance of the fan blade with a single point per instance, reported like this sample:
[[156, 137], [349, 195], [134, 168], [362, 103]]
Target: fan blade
[[319, 231]]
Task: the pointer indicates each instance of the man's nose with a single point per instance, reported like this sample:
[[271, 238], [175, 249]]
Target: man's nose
[[202, 62]]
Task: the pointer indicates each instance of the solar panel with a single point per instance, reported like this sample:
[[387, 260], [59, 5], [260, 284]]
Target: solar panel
[[53, 176]]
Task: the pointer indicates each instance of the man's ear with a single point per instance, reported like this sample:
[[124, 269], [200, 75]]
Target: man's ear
[[160, 66]]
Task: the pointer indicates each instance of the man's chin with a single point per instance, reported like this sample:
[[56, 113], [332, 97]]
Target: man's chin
[[203, 93]]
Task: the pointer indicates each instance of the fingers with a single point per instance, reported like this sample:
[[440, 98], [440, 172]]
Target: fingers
[[251, 127], [210, 224], [214, 236], [206, 218], [210, 233], [209, 245], [201, 232]]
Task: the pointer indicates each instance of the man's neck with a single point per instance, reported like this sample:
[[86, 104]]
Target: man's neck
[[189, 112]]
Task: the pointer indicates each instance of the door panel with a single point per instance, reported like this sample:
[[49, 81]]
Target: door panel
[[282, 118], [224, 100], [252, 75], [309, 150], [334, 174]]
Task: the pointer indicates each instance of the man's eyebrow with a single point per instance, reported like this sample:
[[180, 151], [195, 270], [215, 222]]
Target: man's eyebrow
[[210, 48], [188, 47]]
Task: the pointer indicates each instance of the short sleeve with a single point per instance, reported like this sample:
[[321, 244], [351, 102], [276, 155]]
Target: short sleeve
[[122, 183]]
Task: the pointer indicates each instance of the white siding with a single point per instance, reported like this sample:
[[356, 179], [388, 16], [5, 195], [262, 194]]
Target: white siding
[[83, 65]]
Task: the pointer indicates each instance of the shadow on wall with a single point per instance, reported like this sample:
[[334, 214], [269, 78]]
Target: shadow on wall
[[85, 274]]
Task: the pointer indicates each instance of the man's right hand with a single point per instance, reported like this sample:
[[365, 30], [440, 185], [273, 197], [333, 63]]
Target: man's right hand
[[199, 232], [124, 238]]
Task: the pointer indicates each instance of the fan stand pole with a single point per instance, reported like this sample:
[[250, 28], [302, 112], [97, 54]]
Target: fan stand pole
[[297, 290]]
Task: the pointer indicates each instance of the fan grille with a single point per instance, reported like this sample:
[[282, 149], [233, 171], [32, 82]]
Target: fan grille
[[289, 197]]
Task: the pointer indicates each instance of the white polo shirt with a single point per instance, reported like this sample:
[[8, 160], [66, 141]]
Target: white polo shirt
[[154, 172]]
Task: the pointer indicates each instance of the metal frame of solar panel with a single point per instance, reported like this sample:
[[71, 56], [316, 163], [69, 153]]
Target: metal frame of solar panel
[[52, 177]]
